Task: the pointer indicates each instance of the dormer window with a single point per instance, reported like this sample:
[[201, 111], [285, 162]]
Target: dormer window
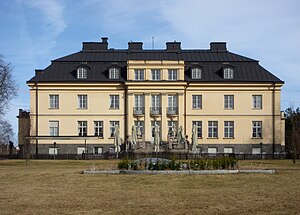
[[196, 73], [228, 73], [114, 73], [82, 73]]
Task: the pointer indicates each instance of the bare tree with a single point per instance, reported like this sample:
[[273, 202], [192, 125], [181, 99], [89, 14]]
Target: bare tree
[[6, 132], [8, 88]]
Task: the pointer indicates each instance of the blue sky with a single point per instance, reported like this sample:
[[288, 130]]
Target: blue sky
[[34, 32]]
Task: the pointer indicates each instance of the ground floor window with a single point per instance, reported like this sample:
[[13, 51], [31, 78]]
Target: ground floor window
[[228, 150], [256, 129], [212, 129], [228, 129], [53, 151], [172, 128], [212, 150], [81, 150], [82, 128], [98, 150], [256, 150], [198, 124], [112, 127], [139, 128], [98, 128], [111, 149]]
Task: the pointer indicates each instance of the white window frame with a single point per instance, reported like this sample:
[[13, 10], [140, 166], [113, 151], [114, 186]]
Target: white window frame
[[228, 129], [114, 73], [212, 150], [171, 126], [229, 102], [228, 150], [228, 73], [172, 74], [155, 101], [114, 101], [198, 124], [98, 128], [257, 102], [155, 74], [82, 73], [140, 128], [139, 101], [82, 101], [256, 129], [82, 128], [197, 101], [172, 101], [54, 101], [98, 150], [256, 150], [212, 129], [139, 74], [53, 128], [53, 151], [112, 127], [81, 150], [196, 73]]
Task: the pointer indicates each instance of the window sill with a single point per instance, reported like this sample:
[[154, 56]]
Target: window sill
[[111, 138], [213, 138], [114, 108], [53, 108], [256, 108], [99, 137], [81, 108], [228, 108], [196, 108], [199, 137], [256, 138], [228, 137]]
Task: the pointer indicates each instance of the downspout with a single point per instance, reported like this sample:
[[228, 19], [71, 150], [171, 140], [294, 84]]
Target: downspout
[[36, 119], [273, 118], [185, 107], [125, 111]]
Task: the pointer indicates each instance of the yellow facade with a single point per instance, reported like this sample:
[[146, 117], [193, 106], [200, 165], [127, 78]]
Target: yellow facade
[[212, 108]]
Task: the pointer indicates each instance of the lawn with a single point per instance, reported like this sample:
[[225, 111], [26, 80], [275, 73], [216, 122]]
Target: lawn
[[57, 187]]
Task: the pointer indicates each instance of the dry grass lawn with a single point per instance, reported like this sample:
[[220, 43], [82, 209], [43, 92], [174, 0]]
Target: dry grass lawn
[[57, 187]]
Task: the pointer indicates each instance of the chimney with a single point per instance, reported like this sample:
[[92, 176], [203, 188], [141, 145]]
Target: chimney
[[218, 46], [95, 46], [135, 46], [173, 46]]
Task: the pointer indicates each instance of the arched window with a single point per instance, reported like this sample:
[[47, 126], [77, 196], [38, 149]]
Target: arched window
[[114, 73], [228, 73], [82, 73], [196, 73]]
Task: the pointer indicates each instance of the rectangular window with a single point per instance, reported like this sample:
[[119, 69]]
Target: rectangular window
[[81, 150], [53, 128], [153, 123], [172, 101], [81, 73], [228, 73], [53, 151], [212, 129], [139, 101], [113, 73], [228, 129], [212, 150], [172, 128], [114, 101], [82, 101], [172, 74], [197, 101], [196, 73], [228, 102], [155, 74], [54, 101], [98, 128], [112, 127], [139, 75], [98, 150], [257, 101], [228, 150], [256, 150], [199, 128], [139, 128], [82, 128], [155, 100], [257, 129]]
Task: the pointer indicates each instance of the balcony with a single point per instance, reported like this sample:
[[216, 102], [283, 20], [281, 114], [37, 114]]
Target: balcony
[[139, 111], [172, 111], [155, 111]]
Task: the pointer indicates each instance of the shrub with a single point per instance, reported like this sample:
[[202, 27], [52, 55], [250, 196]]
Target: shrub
[[124, 164]]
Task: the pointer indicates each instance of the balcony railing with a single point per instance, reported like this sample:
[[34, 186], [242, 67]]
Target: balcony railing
[[155, 110], [139, 111], [172, 110]]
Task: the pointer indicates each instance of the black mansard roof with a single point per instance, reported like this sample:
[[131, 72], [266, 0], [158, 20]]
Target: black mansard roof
[[98, 59]]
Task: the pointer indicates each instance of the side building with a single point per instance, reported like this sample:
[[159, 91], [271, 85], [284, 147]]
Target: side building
[[77, 101]]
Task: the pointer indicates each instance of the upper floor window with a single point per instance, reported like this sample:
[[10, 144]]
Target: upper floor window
[[257, 129], [82, 73], [98, 128], [197, 101], [228, 101], [172, 74], [212, 129], [228, 73], [196, 73], [114, 101], [257, 101], [82, 101], [228, 129], [114, 73], [54, 101], [155, 73], [53, 127], [139, 74]]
